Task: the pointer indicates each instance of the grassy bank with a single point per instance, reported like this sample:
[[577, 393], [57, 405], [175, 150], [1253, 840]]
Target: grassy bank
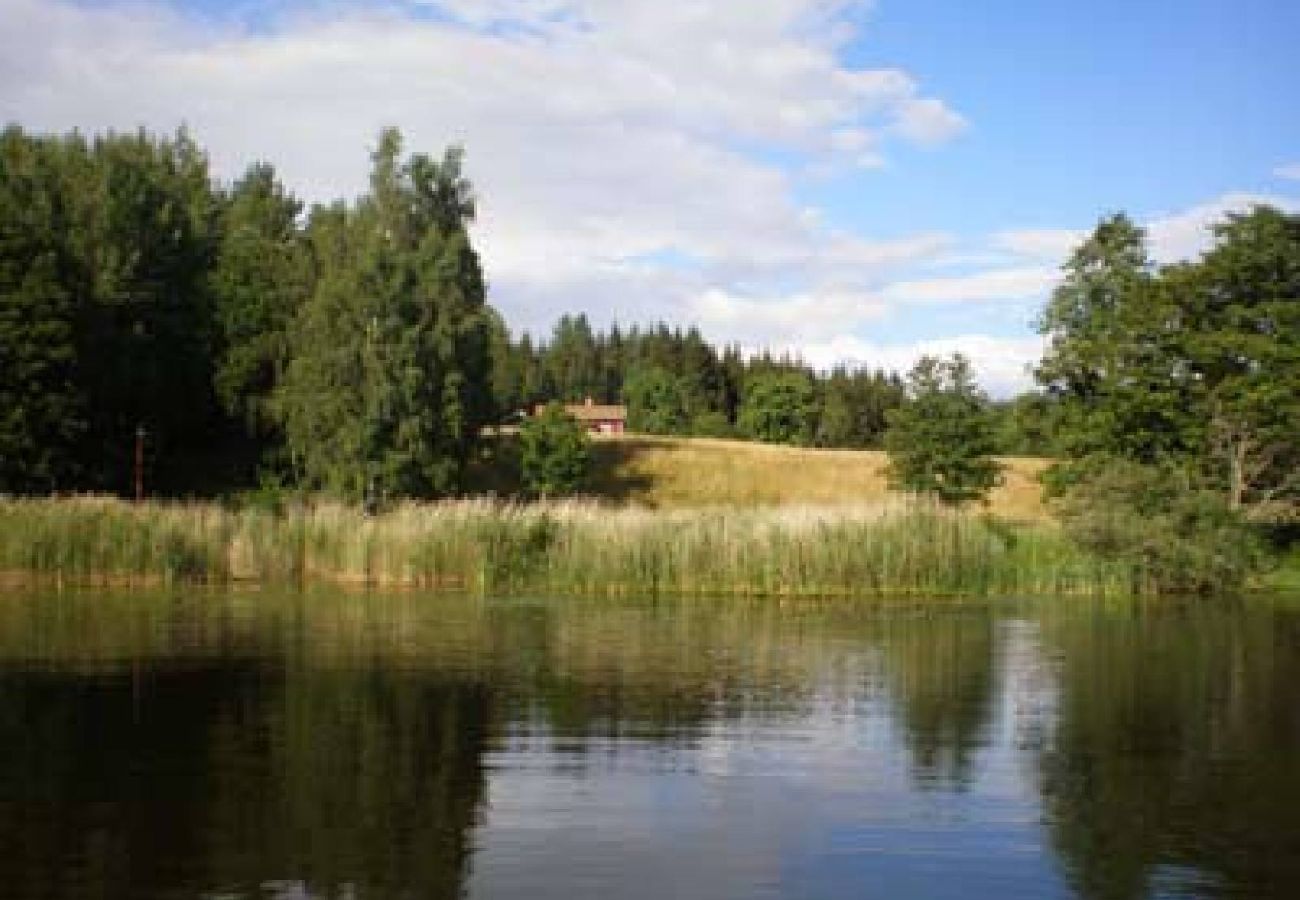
[[576, 548]]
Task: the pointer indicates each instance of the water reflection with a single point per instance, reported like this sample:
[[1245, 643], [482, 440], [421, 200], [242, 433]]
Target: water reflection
[[1174, 767], [942, 673], [353, 747]]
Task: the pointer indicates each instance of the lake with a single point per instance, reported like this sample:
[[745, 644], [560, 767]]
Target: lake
[[205, 744]]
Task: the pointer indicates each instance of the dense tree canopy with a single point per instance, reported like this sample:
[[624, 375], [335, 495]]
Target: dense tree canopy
[[137, 294], [779, 408], [941, 442], [106, 322], [1195, 367], [351, 348], [388, 380]]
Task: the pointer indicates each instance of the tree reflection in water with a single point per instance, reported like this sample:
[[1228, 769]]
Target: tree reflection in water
[[337, 747], [1175, 761]]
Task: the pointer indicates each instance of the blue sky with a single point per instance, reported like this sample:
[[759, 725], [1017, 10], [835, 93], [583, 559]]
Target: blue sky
[[851, 181], [1079, 108]]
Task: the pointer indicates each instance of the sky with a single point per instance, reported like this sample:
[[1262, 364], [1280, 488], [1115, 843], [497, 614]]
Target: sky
[[853, 181]]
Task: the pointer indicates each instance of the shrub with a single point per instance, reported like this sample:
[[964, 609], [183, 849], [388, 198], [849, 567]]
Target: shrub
[[555, 453], [1173, 536]]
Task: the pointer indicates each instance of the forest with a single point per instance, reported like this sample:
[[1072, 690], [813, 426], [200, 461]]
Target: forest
[[252, 338], [241, 338]]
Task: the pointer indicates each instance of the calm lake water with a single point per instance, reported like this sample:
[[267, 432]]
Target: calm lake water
[[203, 745]]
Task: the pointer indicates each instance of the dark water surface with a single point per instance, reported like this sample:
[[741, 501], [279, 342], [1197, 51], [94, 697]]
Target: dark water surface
[[206, 745]]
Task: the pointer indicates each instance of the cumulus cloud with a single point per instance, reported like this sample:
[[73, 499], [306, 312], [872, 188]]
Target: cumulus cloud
[[1002, 364], [799, 318], [1290, 171], [991, 285], [1187, 234], [635, 159], [600, 133], [1039, 243], [1171, 237]]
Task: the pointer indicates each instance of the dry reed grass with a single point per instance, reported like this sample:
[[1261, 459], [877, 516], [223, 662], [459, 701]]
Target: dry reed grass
[[576, 547]]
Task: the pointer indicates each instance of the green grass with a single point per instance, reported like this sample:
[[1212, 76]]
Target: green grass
[[565, 547]]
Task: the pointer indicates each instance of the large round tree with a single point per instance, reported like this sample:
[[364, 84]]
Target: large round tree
[[942, 440]]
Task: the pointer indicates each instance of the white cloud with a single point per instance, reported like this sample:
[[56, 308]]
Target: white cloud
[[928, 122], [599, 133], [1185, 235], [1053, 244], [1001, 364], [1171, 237], [623, 151], [798, 319], [1290, 171], [990, 285]]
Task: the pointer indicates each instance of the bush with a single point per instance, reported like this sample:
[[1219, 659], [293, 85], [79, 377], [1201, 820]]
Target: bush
[[555, 453], [713, 425], [1173, 536]]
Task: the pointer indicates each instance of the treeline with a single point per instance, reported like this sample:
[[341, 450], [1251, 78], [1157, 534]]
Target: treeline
[[676, 383], [235, 332]]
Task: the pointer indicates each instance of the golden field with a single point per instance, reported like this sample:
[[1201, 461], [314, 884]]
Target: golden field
[[672, 473]]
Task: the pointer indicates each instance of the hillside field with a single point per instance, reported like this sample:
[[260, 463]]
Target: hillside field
[[670, 473]]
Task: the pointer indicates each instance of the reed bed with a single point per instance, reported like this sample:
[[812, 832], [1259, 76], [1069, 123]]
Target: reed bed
[[572, 547]]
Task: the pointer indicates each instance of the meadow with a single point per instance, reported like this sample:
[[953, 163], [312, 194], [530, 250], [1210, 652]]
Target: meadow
[[691, 473]]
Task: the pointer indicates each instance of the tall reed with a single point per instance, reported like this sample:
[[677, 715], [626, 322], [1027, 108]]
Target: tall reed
[[484, 546]]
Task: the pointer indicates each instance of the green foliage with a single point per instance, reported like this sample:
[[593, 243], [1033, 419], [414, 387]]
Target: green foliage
[[387, 382], [42, 407], [854, 407], [1243, 344], [941, 442], [655, 403], [1112, 344], [260, 280], [555, 453], [779, 408], [106, 319], [1198, 363], [712, 424], [676, 383], [1026, 425], [1170, 535], [573, 364]]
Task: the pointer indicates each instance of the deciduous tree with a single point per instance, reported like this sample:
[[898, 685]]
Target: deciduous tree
[[941, 442]]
